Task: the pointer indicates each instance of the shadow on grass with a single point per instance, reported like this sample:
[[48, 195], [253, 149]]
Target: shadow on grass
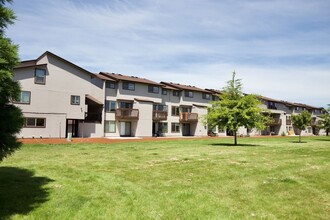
[[233, 145], [20, 191], [297, 142], [323, 139]]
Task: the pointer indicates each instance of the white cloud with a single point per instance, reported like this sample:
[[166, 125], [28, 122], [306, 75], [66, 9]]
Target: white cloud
[[279, 48]]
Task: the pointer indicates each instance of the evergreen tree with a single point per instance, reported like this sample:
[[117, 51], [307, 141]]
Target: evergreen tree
[[234, 110], [301, 121], [11, 119]]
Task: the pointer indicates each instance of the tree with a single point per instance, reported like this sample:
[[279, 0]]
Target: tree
[[325, 120], [301, 121], [11, 119], [234, 110]]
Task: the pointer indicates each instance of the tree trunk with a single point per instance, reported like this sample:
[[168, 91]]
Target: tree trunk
[[299, 136], [235, 134], [327, 132]]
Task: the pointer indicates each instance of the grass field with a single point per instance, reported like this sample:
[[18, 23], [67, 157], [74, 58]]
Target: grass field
[[263, 178]]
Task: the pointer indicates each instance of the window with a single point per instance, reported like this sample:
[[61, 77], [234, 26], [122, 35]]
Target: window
[[214, 97], [75, 100], [163, 127], [110, 127], [110, 85], [160, 108], [24, 98], [189, 94], [110, 106], [153, 89], [271, 105], [34, 122], [175, 128], [40, 76], [206, 96], [176, 93], [186, 109], [296, 108], [175, 111], [164, 91], [126, 105], [128, 86]]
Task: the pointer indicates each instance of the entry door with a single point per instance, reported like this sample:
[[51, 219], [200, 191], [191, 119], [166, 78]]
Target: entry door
[[125, 128], [186, 129]]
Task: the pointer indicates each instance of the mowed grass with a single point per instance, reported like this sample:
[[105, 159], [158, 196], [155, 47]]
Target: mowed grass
[[263, 178]]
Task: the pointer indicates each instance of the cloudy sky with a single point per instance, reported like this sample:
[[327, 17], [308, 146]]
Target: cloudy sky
[[280, 48]]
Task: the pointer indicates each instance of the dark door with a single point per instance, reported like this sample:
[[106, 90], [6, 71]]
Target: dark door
[[185, 129], [72, 127]]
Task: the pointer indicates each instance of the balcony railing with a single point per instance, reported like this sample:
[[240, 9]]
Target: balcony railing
[[275, 121], [288, 121], [127, 113], [159, 115], [188, 117]]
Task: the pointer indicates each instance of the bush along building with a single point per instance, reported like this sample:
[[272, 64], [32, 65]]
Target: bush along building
[[60, 99]]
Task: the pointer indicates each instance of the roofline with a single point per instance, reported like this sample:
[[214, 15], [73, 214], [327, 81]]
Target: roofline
[[66, 61]]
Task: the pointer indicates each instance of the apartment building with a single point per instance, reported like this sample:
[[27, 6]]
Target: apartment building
[[282, 111], [60, 99]]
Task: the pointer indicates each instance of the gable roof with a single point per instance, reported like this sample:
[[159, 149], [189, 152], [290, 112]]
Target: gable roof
[[185, 87], [119, 77], [33, 63]]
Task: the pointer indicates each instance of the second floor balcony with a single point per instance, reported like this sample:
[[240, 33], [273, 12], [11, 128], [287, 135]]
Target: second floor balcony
[[314, 122], [158, 115], [127, 113], [275, 121], [188, 117]]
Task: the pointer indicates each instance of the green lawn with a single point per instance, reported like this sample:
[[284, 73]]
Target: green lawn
[[264, 178]]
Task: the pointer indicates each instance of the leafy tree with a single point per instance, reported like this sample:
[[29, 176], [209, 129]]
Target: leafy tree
[[301, 121], [11, 119], [325, 121], [234, 110]]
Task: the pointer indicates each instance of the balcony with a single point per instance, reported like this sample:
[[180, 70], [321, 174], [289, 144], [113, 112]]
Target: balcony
[[314, 122], [288, 121], [188, 117], [159, 115], [275, 121], [127, 113]]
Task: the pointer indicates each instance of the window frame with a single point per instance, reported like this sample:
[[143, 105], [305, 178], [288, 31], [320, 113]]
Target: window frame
[[187, 94], [176, 93], [175, 111], [204, 96], [35, 122], [110, 83], [124, 83], [151, 89], [110, 109], [73, 103], [175, 125], [20, 100], [35, 76], [107, 122], [164, 91]]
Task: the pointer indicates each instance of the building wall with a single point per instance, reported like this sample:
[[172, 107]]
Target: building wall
[[55, 126], [54, 97]]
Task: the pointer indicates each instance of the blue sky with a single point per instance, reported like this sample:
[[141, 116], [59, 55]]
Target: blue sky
[[280, 48]]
